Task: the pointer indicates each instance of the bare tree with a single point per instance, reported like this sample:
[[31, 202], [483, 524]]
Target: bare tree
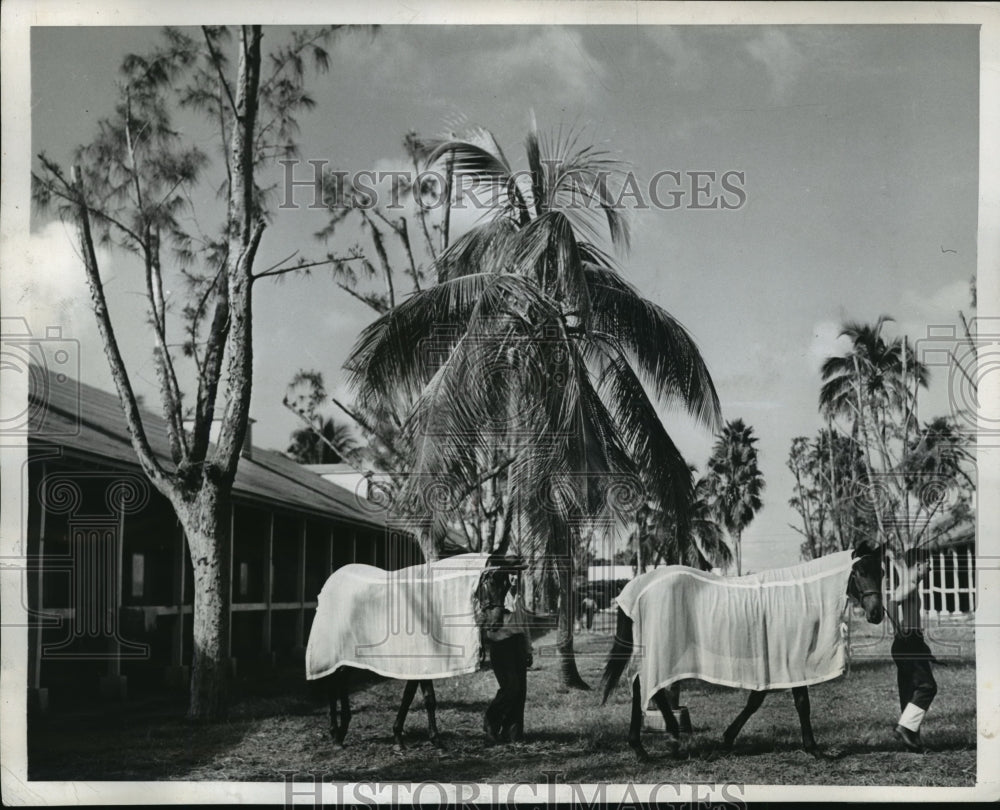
[[133, 187]]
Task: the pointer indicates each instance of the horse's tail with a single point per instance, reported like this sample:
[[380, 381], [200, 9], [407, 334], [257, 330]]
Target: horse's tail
[[618, 658]]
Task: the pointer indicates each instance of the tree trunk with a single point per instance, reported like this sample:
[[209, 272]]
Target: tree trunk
[[739, 553], [564, 632], [206, 525]]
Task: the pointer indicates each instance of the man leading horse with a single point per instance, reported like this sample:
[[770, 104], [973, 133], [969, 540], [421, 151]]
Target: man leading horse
[[507, 632]]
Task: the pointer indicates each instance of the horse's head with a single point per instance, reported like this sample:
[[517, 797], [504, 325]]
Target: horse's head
[[865, 582], [492, 588]]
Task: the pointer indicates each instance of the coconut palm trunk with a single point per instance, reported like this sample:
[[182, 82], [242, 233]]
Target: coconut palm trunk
[[566, 618]]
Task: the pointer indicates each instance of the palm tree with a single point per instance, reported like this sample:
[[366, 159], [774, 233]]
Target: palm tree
[[330, 443], [874, 385], [702, 545], [735, 482], [527, 365], [874, 376], [934, 468]]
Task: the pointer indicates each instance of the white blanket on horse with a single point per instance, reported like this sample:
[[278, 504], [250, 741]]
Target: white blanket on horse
[[415, 623], [772, 630]]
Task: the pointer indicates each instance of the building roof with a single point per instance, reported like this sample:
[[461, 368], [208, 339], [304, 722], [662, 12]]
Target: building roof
[[86, 421]]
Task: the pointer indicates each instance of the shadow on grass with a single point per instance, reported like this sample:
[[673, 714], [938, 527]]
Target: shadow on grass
[[72, 749], [149, 736]]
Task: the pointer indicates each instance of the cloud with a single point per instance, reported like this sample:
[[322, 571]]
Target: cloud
[[549, 59], [46, 295], [687, 64], [781, 58], [553, 55], [48, 288]]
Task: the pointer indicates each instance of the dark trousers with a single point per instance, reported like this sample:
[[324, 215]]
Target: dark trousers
[[510, 666], [913, 670]]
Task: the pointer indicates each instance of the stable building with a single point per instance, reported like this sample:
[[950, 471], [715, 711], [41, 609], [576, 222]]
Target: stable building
[[109, 580]]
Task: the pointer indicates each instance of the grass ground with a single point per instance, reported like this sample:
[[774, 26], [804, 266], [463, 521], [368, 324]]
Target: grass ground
[[280, 724]]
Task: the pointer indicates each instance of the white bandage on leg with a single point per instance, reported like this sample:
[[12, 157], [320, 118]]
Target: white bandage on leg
[[912, 717]]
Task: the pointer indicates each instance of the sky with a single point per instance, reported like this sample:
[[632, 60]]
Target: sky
[[858, 147]]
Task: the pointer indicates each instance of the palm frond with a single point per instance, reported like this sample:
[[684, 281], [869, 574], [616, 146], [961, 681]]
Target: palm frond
[[660, 464], [663, 350], [401, 350], [484, 248]]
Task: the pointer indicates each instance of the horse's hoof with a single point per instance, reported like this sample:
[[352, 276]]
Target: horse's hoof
[[712, 754], [640, 752]]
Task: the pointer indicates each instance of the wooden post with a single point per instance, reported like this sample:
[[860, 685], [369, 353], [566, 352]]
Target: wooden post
[[177, 674], [300, 590], [115, 664], [328, 562], [39, 696], [180, 577], [229, 584], [956, 600], [973, 574], [268, 586]]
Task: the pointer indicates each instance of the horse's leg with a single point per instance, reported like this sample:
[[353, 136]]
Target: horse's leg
[[801, 697], [674, 691], [344, 688], [635, 725], [430, 704], [332, 696], [404, 707], [338, 691], [753, 703], [675, 703], [662, 701]]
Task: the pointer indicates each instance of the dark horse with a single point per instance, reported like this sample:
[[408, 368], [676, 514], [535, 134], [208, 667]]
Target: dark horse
[[338, 688], [490, 589], [864, 585]]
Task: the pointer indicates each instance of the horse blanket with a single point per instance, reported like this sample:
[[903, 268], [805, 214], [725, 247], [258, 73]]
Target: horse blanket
[[772, 630], [414, 623]]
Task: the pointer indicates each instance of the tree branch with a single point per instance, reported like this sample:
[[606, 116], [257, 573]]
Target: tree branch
[[276, 270], [383, 260], [169, 387], [246, 230], [210, 370], [421, 211], [379, 308], [140, 443], [218, 67], [365, 425]]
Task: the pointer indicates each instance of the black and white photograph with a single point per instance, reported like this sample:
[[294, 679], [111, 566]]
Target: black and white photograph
[[485, 404]]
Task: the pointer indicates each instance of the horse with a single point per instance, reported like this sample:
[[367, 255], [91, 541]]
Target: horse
[[792, 642], [416, 624]]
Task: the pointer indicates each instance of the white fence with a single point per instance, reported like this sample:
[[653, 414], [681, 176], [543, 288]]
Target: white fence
[[950, 589]]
